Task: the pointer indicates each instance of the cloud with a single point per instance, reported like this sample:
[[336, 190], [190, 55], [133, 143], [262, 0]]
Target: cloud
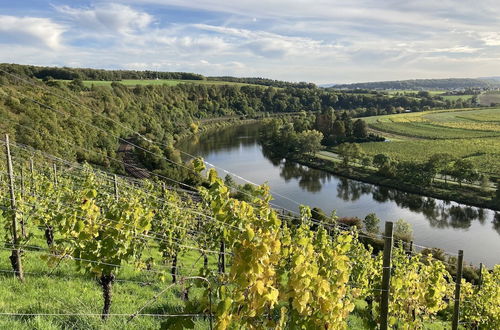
[[490, 38], [107, 18], [31, 31], [270, 45], [320, 41]]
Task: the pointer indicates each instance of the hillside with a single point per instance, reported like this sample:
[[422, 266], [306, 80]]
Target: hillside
[[421, 84], [44, 113]]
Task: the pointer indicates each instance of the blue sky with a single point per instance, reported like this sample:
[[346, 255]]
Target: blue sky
[[321, 41]]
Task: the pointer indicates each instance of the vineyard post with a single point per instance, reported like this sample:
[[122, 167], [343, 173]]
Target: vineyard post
[[54, 166], [458, 283], [116, 186], [23, 229], [222, 257], [32, 167], [15, 258], [32, 171], [480, 282], [22, 182], [386, 276]]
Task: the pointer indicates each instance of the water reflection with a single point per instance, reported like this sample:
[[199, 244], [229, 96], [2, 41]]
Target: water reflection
[[439, 213], [221, 140], [309, 179]]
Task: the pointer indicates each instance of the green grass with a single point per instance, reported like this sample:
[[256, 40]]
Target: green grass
[[68, 291], [412, 91], [168, 82], [457, 97], [467, 133]]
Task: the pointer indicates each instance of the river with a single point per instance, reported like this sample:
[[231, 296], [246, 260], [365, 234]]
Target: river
[[436, 223]]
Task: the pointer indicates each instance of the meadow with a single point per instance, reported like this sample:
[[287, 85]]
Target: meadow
[[466, 133], [169, 82]]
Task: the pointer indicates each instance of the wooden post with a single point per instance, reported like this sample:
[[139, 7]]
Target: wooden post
[[54, 166], [15, 258], [480, 282], [32, 167], [116, 186], [222, 257], [386, 276], [22, 182], [32, 171], [458, 284], [23, 225], [409, 252]]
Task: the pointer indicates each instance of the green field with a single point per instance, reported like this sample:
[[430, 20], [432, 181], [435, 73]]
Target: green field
[[468, 133], [170, 82], [432, 93]]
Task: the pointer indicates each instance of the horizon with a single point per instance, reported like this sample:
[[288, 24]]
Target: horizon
[[321, 41]]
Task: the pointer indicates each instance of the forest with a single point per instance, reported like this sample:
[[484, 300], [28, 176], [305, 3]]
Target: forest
[[422, 84], [44, 113]]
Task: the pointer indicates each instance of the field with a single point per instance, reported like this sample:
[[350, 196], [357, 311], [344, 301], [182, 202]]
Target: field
[[490, 97], [468, 133], [432, 93], [169, 82]]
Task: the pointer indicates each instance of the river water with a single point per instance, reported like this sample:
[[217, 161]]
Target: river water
[[436, 223]]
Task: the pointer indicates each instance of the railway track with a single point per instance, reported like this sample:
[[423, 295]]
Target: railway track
[[132, 167]]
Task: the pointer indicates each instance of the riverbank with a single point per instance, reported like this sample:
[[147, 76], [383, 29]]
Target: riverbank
[[469, 196]]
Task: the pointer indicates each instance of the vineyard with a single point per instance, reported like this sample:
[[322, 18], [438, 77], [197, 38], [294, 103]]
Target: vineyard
[[175, 256], [473, 134]]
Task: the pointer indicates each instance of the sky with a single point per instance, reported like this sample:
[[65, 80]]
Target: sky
[[320, 41]]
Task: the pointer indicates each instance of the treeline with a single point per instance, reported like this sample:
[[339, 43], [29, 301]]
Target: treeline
[[52, 115], [309, 132], [423, 174], [65, 73], [264, 82], [424, 84]]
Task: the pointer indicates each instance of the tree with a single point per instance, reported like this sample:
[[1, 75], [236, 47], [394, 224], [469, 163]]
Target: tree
[[309, 141], [464, 170], [416, 173], [403, 230], [380, 160], [372, 223], [484, 182], [441, 163], [349, 152], [338, 129], [360, 129]]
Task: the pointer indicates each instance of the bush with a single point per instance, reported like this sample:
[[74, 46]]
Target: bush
[[350, 221], [403, 230]]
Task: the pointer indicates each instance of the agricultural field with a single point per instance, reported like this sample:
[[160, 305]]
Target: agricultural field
[[170, 82], [432, 93], [490, 97], [467, 133]]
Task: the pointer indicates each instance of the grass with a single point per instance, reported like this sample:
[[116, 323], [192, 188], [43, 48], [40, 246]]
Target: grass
[[68, 291], [169, 82], [467, 133]]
